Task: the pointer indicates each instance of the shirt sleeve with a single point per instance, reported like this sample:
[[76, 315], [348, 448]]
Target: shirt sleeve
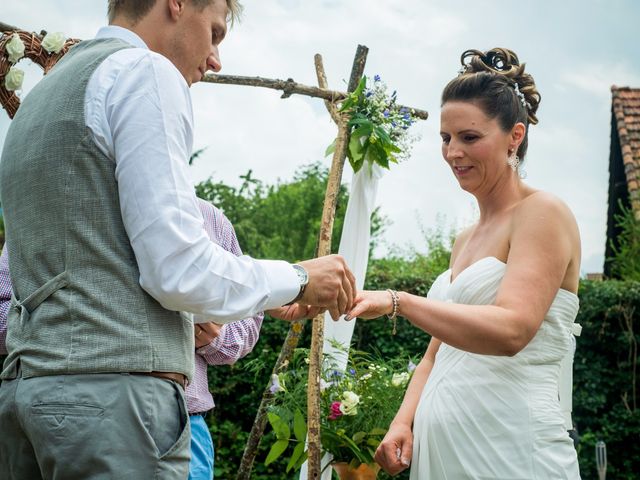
[[5, 298], [148, 112], [236, 339]]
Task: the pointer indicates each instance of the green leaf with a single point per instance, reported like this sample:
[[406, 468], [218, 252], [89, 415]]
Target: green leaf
[[302, 459], [374, 442], [356, 148], [378, 431], [343, 439], [297, 453], [276, 450], [279, 426], [330, 149], [299, 426], [354, 97], [359, 436]]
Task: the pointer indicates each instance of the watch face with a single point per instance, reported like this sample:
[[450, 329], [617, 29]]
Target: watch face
[[303, 276]]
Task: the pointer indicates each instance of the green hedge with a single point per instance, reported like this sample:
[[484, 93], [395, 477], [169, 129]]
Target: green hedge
[[606, 385], [604, 392]]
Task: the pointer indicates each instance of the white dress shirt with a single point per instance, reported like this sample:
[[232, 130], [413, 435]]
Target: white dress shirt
[[139, 111]]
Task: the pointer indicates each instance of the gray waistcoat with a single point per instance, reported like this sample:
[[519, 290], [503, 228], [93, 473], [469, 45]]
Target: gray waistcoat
[[78, 305]]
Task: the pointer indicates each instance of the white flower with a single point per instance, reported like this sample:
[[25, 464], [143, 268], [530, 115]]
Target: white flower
[[14, 48], [411, 366], [349, 403], [53, 42], [275, 384], [13, 80], [400, 379]]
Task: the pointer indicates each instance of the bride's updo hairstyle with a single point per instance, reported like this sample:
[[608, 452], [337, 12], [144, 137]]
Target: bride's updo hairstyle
[[496, 82]]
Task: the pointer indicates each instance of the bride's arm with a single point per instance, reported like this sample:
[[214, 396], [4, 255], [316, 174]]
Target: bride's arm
[[395, 451], [544, 245]]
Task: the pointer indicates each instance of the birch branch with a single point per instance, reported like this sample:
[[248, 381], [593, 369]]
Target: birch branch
[[290, 87], [324, 248]]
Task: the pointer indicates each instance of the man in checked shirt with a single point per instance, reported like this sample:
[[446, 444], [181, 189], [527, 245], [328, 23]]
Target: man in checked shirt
[[215, 344]]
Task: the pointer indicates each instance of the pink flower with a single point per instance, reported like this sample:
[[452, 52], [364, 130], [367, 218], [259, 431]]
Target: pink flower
[[335, 411]]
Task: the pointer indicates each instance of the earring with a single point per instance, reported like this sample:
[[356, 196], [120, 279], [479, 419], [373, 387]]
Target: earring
[[513, 161]]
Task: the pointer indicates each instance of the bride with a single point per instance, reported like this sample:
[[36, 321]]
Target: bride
[[483, 402]]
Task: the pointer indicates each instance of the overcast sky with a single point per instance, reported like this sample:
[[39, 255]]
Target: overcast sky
[[575, 50]]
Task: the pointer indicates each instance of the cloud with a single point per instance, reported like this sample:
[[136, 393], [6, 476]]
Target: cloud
[[597, 78]]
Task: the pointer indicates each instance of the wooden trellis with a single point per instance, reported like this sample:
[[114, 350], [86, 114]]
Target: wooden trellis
[[288, 87]]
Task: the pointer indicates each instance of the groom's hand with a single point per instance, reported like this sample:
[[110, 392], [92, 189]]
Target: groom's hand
[[331, 285], [294, 312]]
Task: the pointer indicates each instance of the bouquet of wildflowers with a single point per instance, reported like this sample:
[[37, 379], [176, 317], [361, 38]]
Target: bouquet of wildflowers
[[378, 126], [357, 407]]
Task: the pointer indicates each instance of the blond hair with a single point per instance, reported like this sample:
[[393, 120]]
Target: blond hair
[[135, 10]]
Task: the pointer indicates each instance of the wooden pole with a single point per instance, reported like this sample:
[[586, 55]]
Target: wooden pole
[[324, 248], [4, 27]]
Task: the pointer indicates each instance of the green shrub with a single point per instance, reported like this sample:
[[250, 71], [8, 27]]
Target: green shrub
[[606, 392]]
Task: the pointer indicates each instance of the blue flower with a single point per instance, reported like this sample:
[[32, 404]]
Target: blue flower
[[386, 113], [352, 371], [376, 78], [337, 373]]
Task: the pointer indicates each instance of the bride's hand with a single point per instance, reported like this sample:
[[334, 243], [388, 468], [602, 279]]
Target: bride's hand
[[371, 304], [396, 449]]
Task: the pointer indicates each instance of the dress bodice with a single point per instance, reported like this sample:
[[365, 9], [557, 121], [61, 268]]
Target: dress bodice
[[478, 285]]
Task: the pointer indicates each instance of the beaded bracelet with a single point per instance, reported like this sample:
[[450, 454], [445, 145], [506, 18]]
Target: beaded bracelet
[[395, 300]]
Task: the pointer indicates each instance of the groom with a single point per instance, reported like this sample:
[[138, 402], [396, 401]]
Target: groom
[[107, 244]]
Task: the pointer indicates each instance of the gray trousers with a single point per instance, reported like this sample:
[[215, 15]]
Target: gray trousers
[[97, 426]]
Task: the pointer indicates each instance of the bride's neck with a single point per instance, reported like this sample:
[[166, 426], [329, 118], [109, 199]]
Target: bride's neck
[[501, 198]]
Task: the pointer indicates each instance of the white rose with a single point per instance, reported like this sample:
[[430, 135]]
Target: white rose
[[13, 80], [14, 48], [400, 379], [349, 403], [53, 42]]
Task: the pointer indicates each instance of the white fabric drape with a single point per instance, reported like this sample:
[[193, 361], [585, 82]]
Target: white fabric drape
[[354, 247]]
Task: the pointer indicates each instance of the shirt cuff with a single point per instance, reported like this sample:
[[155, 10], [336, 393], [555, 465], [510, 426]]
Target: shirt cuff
[[284, 282], [215, 345]]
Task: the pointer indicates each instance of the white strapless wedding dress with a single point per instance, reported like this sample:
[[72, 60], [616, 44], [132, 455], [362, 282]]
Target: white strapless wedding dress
[[491, 417]]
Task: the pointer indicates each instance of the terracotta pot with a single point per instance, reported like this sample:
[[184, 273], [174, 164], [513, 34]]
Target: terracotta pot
[[363, 472]]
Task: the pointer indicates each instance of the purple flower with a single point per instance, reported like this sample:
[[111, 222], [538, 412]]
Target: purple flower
[[411, 367], [386, 113], [352, 371], [376, 78]]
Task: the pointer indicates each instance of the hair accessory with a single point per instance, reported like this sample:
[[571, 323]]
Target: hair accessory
[[462, 70], [395, 300], [521, 96]]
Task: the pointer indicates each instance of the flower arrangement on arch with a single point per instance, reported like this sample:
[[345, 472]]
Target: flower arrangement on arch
[[379, 127], [357, 406]]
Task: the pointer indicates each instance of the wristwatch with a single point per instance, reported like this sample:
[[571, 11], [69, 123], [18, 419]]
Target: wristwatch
[[303, 277]]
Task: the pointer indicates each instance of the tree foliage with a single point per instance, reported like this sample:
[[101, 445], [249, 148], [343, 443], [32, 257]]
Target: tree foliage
[[625, 263]]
